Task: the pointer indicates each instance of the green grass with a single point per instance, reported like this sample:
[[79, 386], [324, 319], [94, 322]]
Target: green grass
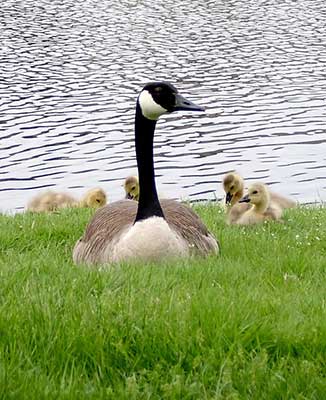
[[247, 324]]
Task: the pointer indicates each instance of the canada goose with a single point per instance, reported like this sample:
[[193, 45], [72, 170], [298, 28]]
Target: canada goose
[[233, 185], [131, 186], [262, 210], [149, 230], [51, 201]]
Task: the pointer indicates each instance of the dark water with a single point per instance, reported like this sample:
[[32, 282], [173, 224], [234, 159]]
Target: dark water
[[70, 72]]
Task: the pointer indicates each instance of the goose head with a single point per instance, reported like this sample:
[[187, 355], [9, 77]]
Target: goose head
[[233, 186], [158, 98], [94, 198], [131, 186], [258, 194]]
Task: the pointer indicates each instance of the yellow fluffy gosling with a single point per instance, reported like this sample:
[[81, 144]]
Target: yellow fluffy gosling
[[51, 201], [233, 185], [262, 208], [94, 198], [131, 186]]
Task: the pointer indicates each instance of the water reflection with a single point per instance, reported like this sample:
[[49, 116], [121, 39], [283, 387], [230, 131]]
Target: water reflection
[[70, 72]]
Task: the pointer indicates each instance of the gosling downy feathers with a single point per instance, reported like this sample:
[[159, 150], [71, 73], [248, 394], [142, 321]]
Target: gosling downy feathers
[[51, 201], [263, 209], [149, 230], [131, 186], [281, 201], [233, 185], [94, 198]]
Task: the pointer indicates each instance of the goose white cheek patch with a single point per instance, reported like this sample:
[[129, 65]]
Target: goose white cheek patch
[[149, 108]]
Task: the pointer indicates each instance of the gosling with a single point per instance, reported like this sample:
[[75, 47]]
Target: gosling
[[94, 198], [233, 185], [131, 186], [263, 209], [52, 201]]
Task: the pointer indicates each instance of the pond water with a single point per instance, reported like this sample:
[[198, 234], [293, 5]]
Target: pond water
[[70, 72]]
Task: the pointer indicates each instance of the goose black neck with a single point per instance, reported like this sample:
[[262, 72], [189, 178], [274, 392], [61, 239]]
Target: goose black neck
[[148, 205]]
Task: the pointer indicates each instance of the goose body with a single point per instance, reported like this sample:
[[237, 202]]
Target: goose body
[[263, 209], [113, 236], [150, 230]]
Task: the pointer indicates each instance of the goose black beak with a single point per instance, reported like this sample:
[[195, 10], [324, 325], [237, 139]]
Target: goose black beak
[[228, 198], [129, 197], [245, 199], [181, 103]]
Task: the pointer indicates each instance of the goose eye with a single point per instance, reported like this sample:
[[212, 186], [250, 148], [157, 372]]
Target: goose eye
[[98, 200], [254, 192], [133, 188], [232, 187]]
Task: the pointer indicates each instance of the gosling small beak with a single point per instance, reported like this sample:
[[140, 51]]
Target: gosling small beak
[[129, 196], [181, 103], [245, 199], [228, 198]]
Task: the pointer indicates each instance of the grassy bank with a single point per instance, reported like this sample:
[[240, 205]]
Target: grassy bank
[[248, 324]]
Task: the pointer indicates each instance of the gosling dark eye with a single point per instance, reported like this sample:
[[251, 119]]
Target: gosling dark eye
[[133, 188], [232, 187], [254, 192], [98, 200]]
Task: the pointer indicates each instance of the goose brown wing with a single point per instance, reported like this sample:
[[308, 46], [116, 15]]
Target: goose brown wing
[[106, 226], [111, 221], [187, 224]]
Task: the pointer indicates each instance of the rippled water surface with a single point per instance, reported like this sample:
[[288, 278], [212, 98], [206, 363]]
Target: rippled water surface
[[70, 72]]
